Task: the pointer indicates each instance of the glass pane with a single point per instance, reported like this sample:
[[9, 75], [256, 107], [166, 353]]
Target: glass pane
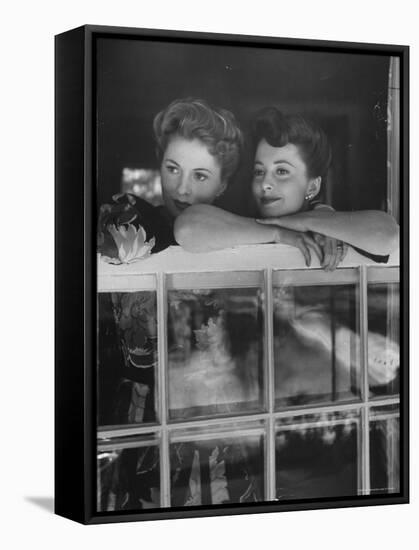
[[383, 338], [317, 456], [217, 471], [385, 450], [215, 351], [127, 358], [128, 478], [316, 344]]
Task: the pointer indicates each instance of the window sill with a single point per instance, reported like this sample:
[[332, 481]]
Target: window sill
[[244, 258]]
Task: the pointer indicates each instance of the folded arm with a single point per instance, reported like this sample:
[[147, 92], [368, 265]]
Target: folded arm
[[370, 230], [202, 227]]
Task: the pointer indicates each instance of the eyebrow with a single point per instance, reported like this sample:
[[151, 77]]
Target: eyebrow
[[199, 169], [276, 162], [203, 170]]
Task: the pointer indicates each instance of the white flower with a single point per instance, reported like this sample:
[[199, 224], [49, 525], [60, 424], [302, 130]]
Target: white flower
[[131, 243]]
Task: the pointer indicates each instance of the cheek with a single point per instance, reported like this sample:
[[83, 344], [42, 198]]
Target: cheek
[[296, 192], [167, 183], [255, 189], [206, 192], [203, 195]]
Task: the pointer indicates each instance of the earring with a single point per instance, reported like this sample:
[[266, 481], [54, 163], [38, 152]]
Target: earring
[[308, 197]]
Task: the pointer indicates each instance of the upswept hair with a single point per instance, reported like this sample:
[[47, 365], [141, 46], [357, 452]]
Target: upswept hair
[[192, 118], [279, 129]]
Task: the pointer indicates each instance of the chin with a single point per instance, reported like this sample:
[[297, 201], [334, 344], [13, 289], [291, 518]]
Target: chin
[[271, 213]]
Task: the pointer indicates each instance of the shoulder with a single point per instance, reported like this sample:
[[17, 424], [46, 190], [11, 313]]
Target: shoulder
[[318, 205], [156, 222]]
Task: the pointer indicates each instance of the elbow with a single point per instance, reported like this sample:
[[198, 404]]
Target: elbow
[[187, 231], [394, 237], [183, 231], [388, 233]]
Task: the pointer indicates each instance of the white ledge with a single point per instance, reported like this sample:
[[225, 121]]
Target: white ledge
[[243, 258]]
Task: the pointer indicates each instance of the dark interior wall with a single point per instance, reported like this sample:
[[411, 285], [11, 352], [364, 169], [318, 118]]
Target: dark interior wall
[[346, 92]]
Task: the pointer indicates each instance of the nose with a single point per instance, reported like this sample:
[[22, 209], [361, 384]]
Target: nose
[[267, 185], [184, 187]]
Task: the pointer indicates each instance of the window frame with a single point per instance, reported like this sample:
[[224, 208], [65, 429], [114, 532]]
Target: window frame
[[355, 269], [76, 269]]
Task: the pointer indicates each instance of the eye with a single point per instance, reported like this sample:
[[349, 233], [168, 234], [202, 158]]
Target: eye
[[258, 173], [282, 172], [172, 169], [201, 176]]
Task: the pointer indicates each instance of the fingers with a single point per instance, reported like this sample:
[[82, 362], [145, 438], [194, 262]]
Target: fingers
[[334, 252], [336, 259], [315, 246], [319, 238], [327, 251], [305, 251], [341, 251], [335, 256], [305, 243], [344, 251]]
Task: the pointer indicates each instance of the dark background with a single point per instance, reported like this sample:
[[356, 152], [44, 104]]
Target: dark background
[[346, 92]]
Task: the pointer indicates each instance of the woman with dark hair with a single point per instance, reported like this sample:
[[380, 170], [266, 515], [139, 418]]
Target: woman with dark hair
[[292, 157]]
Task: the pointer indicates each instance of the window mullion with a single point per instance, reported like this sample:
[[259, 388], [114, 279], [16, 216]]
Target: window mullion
[[365, 432], [162, 389], [270, 435]]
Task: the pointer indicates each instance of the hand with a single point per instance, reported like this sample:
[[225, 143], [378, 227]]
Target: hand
[[303, 241], [333, 251]]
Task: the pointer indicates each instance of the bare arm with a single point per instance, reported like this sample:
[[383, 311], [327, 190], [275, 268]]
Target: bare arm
[[371, 230], [202, 227]]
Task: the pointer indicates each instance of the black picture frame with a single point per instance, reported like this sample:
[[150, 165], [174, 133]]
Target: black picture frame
[[76, 272]]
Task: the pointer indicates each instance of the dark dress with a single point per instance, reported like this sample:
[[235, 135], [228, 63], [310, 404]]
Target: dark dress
[[129, 210]]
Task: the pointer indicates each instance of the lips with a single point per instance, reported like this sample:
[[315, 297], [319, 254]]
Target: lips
[[180, 205], [266, 201]]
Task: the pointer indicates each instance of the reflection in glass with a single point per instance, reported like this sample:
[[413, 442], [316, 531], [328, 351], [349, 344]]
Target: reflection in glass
[[316, 456], [128, 479], [215, 351], [316, 344], [217, 471], [385, 450], [127, 357], [383, 338]]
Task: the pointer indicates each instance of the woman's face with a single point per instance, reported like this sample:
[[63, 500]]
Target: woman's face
[[189, 175], [280, 181]]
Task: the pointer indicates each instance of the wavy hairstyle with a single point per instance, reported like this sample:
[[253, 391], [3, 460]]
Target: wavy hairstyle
[[279, 129], [193, 118]]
